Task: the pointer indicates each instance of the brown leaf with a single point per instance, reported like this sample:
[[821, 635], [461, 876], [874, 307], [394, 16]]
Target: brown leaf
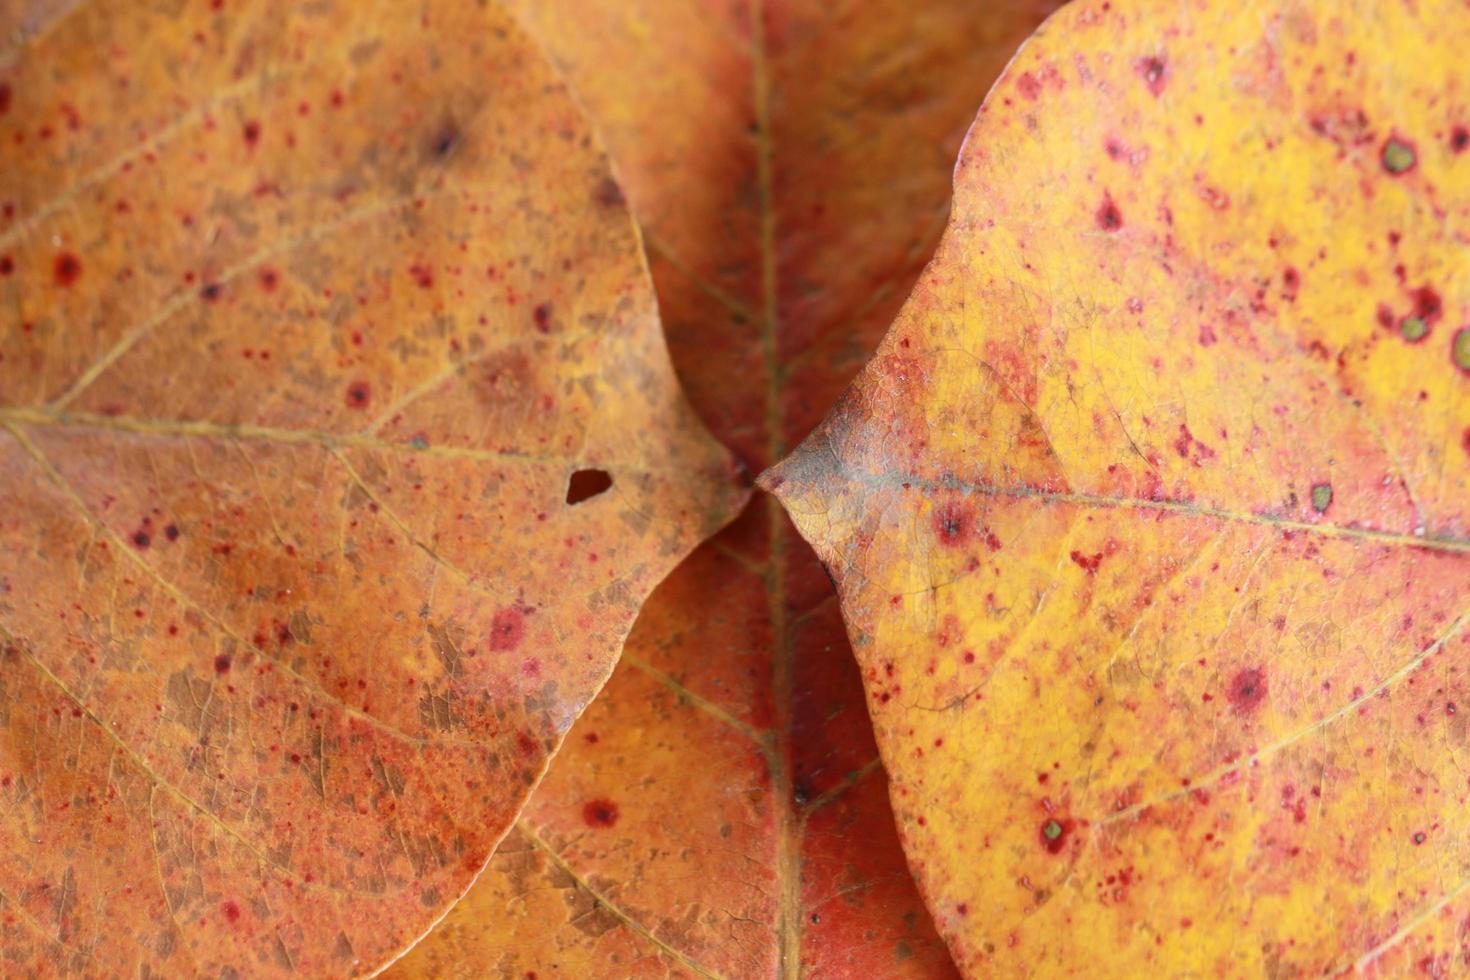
[[340, 445]]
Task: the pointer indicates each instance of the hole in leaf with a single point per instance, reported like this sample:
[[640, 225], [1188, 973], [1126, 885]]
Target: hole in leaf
[[586, 484]]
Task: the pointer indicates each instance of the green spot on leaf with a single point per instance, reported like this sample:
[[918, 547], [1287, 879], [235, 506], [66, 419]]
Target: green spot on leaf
[[1397, 157], [1321, 496], [1460, 350], [1413, 328], [1051, 830]]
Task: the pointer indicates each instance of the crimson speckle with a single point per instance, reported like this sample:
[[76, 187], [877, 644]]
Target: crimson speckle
[[358, 394], [1248, 690], [7, 265], [67, 269], [1459, 139], [1154, 72], [4, 98], [1088, 564], [141, 539], [210, 292], [252, 132], [507, 628], [542, 316], [952, 523], [222, 664], [1109, 218], [231, 911], [600, 813]]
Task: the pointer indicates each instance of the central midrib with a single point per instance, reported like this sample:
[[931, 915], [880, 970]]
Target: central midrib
[[788, 827]]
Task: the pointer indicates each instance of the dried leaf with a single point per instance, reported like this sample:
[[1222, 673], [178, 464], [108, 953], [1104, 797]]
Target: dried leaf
[[719, 810], [1150, 514], [312, 316]]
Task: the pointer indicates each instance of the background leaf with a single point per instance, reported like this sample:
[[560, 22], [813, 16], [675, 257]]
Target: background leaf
[[309, 317], [1150, 514], [720, 809]]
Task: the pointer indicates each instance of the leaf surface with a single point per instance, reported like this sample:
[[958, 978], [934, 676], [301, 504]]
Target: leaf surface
[[314, 318], [720, 810], [1150, 514]]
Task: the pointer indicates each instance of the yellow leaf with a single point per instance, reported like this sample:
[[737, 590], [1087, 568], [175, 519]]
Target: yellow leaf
[[1150, 516]]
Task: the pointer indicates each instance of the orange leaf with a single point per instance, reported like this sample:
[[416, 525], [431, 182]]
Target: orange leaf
[[1152, 538], [339, 448], [719, 810]]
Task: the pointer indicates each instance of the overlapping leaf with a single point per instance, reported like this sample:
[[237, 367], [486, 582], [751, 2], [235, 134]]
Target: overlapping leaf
[[719, 810], [1150, 514], [339, 448]]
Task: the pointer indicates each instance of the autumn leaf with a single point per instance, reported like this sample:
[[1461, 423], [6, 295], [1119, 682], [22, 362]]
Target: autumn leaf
[[720, 810], [1150, 514], [340, 446]]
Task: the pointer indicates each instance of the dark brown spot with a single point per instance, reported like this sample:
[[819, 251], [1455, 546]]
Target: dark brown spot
[[600, 813], [445, 141], [251, 132], [222, 664], [1247, 690], [586, 484], [171, 532], [67, 268], [609, 193], [141, 539], [542, 315], [1459, 139], [211, 291], [358, 394], [7, 265], [4, 98]]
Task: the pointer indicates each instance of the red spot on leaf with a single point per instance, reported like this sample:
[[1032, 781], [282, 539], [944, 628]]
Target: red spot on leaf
[[1247, 690], [67, 268], [542, 316], [1087, 564], [600, 813], [1109, 218], [1053, 834], [952, 523], [358, 394], [507, 628], [222, 664], [1154, 72]]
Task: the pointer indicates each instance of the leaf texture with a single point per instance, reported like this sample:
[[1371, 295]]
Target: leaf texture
[[720, 810], [1150, 513], [313, 318]]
